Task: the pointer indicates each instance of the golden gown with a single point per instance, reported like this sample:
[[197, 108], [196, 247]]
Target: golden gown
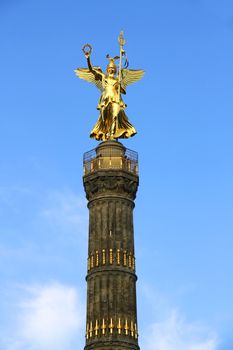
[[112, 121]]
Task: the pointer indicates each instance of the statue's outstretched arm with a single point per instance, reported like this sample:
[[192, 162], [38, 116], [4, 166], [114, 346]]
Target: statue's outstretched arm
[[98, 75], [91, 74], [89, 62]]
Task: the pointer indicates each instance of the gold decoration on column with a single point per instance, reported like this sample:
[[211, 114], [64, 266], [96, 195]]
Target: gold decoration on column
[[103, 327], [119, 327], [136, 331], [97, 258], [125, 258], [96, 329], [103, 257], [87, 331], [111, 326], [130, 260], [92, 261], [126, 327], [91, 329], [110, 257], [132, 329], [118, 257], [133, 263]]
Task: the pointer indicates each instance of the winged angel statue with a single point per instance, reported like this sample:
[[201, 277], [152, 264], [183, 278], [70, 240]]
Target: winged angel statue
[[112, 122]]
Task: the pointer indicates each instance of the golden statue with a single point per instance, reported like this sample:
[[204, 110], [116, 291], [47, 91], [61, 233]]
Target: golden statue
[[112, 122]]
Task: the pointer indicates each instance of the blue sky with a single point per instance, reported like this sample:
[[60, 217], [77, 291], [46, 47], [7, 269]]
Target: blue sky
[[182, 110]]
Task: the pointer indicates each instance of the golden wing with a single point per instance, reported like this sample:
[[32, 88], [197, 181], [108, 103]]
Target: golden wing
[[130, 76], [86, 74]]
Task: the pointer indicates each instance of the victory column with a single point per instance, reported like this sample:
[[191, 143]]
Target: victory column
[[110, 182]]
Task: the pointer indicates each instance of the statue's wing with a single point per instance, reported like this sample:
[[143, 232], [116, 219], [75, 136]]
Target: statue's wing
[[86, 74], [130, 76]]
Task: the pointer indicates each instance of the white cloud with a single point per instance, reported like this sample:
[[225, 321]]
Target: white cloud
[[176, 333], [51, 317]]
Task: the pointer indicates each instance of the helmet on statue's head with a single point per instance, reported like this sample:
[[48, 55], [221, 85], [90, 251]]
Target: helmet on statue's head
[[111, 64]]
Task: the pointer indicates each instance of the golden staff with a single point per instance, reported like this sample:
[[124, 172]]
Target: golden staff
[[121, 42]]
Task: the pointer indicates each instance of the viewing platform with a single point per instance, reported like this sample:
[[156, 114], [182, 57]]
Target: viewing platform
[[110, 155]]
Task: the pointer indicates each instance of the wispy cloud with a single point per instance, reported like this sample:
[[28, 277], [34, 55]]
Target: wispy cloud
[[175, 332], [45, 243], [49, 317], [169, 329]]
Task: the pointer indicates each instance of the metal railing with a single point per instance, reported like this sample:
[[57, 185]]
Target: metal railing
[[110, 158]]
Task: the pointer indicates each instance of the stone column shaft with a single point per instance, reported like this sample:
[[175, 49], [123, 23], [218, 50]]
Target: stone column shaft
[[111, 183]]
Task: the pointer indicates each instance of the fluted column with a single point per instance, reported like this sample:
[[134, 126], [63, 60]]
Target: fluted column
[[111, 183]]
